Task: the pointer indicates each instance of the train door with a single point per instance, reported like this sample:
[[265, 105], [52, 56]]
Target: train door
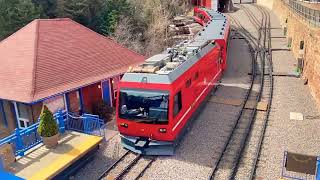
[[220, 59], [197, 86], [114, 89]]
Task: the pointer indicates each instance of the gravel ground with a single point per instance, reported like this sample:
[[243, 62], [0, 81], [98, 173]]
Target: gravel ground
[[290, 95], [200, 147]]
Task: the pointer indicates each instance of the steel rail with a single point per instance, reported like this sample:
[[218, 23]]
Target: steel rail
[[258, 98], [261, 138], [263, 21], [145, 168], [128, 167], [253, 19], [113, 165], [253, 74]]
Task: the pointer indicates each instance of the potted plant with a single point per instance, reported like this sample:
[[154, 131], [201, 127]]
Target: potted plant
[[48, 128]]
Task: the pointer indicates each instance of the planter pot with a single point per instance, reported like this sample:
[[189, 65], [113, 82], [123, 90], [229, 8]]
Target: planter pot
[[51, 142]]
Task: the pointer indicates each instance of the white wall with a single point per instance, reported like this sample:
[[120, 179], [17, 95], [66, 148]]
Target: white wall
[[214, 5], [266, 3]]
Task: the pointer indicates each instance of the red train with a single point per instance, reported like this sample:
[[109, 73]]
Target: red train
[[201, 16], [157, 99]]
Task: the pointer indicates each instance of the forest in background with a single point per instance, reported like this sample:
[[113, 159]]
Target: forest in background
[[140, 25]]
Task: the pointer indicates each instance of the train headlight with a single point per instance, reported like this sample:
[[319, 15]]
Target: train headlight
[[162, 130], [125, 125]]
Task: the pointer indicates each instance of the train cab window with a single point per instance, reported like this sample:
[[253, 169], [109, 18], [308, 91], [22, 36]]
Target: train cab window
[[188, 83], [177, 103], [144, 106]]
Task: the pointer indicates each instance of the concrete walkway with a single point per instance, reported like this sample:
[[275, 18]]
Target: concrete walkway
[[43, 163]]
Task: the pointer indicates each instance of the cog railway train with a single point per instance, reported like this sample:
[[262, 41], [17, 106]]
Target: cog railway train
[[158, 98]]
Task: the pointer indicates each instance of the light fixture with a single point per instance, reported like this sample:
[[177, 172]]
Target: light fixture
[[162, 130], [125, 125]]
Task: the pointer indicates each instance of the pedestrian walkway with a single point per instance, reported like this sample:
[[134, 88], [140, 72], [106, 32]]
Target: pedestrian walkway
[[43, 163]]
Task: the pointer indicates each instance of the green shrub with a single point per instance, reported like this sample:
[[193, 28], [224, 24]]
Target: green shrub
[[48, 126], [103, 110]]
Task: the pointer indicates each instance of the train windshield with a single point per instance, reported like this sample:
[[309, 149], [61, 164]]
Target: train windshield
[[144, 106]]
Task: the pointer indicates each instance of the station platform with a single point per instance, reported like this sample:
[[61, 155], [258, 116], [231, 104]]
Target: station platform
[[73, 150]]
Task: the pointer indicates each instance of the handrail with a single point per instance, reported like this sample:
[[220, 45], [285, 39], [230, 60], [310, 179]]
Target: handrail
[[312, 16], [25, 139]]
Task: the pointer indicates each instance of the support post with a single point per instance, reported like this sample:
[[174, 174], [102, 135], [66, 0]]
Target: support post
[[1, 164], [61, 121], [81, 101], [19, 142], [85, 124], [318, 169]]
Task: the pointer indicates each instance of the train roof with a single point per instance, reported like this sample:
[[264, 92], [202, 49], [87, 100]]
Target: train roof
[[168, 66]]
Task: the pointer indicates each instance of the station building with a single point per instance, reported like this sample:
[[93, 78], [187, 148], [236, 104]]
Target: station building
[[216, 5], [211, 4], [61, 64]]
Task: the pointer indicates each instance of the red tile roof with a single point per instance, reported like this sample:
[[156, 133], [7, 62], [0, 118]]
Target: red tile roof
[[48, 57]]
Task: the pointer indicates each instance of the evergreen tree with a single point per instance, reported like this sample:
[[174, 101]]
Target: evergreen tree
[[48, 126], [110, 14], [99, 15], [49, 8], [85, 12], [14, 14]]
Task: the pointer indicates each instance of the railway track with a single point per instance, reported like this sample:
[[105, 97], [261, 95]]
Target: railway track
[[245, 141], [245, 167], [128, 166], [224, 164]]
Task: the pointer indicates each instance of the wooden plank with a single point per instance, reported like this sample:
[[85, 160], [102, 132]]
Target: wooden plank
[[227, 101], [261, 106]]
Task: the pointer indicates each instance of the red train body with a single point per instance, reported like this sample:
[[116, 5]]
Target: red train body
[[201, 16], [157, 99]]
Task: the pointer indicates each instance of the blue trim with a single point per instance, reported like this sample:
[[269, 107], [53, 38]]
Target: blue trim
[[67, 91], [70, 90], [9, 176], [15, 114], [81, 100], [106, 92], [3, 113], [318, 169]]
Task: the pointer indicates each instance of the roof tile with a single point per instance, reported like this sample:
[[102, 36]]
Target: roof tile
[[48, 57]]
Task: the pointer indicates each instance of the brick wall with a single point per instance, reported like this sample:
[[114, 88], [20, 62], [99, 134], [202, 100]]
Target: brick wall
[[299, 30]]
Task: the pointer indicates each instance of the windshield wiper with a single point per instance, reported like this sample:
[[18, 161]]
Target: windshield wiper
[[143, 121], [155, 119], [148, 120], [155, 97]]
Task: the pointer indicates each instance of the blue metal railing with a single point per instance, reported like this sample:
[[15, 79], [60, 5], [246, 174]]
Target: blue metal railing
[[87, 123], [24, 139]]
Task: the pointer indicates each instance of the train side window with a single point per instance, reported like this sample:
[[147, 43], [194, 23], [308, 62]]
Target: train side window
[[196, 76], [177, 104], [188, 83]]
